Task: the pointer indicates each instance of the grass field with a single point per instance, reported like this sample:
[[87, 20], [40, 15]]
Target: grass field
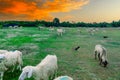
[[36, 44]]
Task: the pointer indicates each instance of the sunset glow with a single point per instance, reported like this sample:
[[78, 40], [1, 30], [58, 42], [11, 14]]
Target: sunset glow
[[65, 10]]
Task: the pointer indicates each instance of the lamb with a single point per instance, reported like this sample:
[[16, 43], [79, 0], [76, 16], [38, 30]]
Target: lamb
[[10, 59], [63, 78], [60, 31], [100, 51], [45, 69]]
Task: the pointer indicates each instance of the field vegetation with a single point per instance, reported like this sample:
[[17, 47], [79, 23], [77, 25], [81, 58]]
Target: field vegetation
[[36, 44]]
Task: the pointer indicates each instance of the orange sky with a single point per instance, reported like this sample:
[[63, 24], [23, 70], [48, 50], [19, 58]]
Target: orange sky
[[66, 10]]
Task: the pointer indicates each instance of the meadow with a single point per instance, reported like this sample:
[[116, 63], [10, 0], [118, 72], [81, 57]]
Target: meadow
[[80, 65]]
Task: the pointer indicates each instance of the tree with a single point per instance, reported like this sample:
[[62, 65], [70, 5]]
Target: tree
[[56, 22]]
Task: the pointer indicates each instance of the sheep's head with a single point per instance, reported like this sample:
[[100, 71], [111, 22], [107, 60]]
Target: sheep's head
[[105, 63], [26, 72]]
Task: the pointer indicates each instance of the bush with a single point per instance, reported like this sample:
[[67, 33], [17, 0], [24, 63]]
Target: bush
[[1, 26]]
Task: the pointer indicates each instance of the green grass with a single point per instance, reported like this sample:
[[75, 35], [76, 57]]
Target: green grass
[[36, 44]]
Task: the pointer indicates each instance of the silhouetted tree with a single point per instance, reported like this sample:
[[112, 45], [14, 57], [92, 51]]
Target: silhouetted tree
[[56, 22]]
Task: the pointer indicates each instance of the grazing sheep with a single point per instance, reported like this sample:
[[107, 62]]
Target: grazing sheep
[[21, 27], [42, 71], [100, 51], [10, 27], [91, 31], [63, 78], [77, 48], [60, 31], [10, 59], [40, 27], [97, 29], [15, 27], [51, 28]]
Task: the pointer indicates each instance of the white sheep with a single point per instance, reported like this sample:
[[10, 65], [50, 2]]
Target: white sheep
[[63, 78], [11, 59], [45, 69], [100, 51], [40, 27], [51, 28], [16, 26], [60, 32]]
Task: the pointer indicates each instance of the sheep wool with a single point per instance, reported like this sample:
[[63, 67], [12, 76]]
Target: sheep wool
[[63, 78], [45, 69], [11, 59], [60, 31], [3, 51], [100, 51]]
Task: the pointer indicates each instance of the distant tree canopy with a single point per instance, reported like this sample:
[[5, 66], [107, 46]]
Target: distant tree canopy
[[56, 23]]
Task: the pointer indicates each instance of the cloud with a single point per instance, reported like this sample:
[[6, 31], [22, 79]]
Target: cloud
[[37, 9]]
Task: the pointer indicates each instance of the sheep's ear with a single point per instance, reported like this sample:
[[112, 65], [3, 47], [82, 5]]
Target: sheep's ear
[[30, 73]]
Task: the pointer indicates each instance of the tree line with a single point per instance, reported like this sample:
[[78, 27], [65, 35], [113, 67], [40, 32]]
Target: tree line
[[56, 23]]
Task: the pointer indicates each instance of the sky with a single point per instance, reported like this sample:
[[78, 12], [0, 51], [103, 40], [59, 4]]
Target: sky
[[65, 10]]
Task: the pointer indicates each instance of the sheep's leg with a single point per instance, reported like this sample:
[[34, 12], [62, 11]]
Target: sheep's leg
[[52, 76], [100, 62], [58, 34], [13, 69], [19, 67], [55, 75], [61, 34], [1, 73], [95, 54], [46, 78], [99, 57]]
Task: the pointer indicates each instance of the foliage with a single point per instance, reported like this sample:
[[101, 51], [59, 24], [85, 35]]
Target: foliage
[[56, 22]]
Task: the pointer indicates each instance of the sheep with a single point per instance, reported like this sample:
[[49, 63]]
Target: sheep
[[45, 69], [10, 27], [63, 78], [100, 51], [51, 28], [10, 60], [16, 26], [91, 31], [97, 29], [40, 27], [60, 31], [21, 27]]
